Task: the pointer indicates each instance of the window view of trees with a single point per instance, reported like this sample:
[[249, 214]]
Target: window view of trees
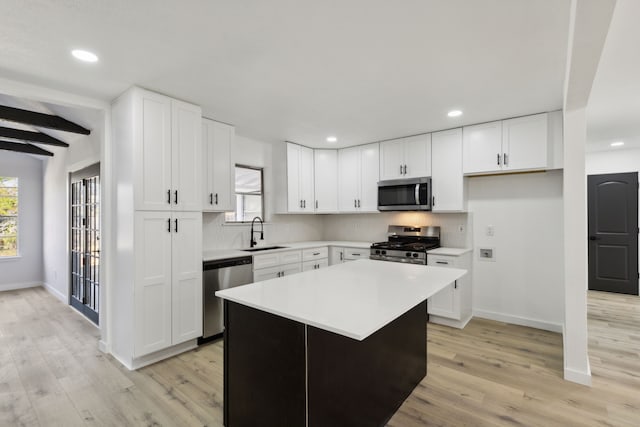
[[8, 216]]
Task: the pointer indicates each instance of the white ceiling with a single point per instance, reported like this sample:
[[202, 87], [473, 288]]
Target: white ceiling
[[613, 112], [300, 70]]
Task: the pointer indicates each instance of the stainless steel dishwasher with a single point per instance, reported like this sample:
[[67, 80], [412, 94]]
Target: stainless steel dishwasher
[[221, 274]]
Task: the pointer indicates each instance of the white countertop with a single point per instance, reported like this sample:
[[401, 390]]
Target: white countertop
[[213, 255], [449, 251], [353, 299]]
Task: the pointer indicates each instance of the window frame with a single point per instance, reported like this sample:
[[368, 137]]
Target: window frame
[[17, 219], [236, 193]]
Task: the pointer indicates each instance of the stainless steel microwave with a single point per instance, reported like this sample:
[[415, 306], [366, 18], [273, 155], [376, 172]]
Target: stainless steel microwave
[[412, 194]]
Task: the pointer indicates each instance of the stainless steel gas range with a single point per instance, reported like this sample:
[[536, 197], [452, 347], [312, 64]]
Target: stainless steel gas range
[[407, 244]]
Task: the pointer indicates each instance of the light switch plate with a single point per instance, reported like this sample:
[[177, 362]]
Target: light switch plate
[[487, 254]]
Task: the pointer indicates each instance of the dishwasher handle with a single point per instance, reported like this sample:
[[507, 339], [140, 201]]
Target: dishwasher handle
[[227, 262]]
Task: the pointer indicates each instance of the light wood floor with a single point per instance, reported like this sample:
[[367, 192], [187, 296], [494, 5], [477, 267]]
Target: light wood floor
[[490, 373]]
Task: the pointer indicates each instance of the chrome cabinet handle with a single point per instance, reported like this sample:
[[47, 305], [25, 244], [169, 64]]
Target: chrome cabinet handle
[[433, 200], [176, 227], [169, 225], [169, 196], [358, 202], [341, 256], [405, 169], [505, 159], [498, 156], [211, 198], [175, 195], [316, 204], [400, 169], [442, 262], [216, 198], [355, 203]]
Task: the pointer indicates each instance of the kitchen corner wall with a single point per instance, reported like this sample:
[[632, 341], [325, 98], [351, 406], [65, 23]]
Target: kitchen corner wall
[[279, 228], [524, 284]]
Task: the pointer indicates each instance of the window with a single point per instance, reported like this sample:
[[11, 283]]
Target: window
[[248, 195], [8, 216]]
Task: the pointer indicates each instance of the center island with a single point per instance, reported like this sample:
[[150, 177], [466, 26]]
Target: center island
[[339, 346]]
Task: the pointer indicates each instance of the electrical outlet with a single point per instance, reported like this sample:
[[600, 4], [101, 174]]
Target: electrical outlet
[[490, 230], [486, 254]]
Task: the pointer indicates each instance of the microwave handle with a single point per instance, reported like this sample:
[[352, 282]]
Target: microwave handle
[[417, 194]]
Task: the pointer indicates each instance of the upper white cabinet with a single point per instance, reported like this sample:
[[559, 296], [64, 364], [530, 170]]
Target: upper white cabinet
[[358, 175], [217, 170], [449, 184], [512, 145], [406, 157], [326, 180], [299, 178], [167, 151]]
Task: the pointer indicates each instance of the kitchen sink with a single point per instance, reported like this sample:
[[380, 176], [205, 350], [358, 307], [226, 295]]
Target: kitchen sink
[[265, 248]]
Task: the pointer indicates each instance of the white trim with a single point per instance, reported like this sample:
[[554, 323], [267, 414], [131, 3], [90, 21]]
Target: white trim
[[578, 377], [56, 293], [518, 320], [14, 286], [103, 347], [83, 164], [142, 361]]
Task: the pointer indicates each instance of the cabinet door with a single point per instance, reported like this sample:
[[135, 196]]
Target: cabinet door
[[417, 156], [186, 157], [217, 139], [306, 179], [482, 148], [186, 267], [447, 178], [326, 180], [336, 255], [152, 152], [152, 287], [289, 269], [348, 179], [392, 159], [370, 174], [445, 303], [524, 142], [294, 201]]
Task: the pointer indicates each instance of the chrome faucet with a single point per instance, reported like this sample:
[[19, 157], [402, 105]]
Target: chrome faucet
[[253, 241]]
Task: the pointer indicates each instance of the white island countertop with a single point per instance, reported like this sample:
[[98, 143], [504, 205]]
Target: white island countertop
[[353, 299]]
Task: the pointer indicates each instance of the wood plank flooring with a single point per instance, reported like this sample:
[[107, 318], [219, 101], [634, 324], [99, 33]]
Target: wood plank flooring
[[489, 374]]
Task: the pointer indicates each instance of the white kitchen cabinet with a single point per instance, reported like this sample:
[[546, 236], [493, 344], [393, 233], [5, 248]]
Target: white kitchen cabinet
[[452, 305], [167, 297], [511, 145], [218, 170], [447, 180], [276, 264], [314, 254], [166, 135], [340, 254], [408, 157], [358, 175], [315, 265], [326, 180], [157, 283], [300, 178], [276, 271]]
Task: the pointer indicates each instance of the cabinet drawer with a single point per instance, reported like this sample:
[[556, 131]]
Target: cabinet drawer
[[315, 264], [276, 271], [275, 259], [442, 261], [355, 253], [315, 253]]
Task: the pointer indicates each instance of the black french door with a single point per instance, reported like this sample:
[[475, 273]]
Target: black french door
[[85, 246]]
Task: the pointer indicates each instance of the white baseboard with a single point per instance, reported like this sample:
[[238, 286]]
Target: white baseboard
[[14, 286], [56, 293], [579, 377], [140, 362], [103, 347], [517, 320]]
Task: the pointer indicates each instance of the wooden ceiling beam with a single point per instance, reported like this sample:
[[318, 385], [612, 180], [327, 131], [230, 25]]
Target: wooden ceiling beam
[[23, 148], [42, 120], [29, 136]]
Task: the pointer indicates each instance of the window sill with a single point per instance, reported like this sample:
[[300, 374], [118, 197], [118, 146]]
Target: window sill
[[10, 258]]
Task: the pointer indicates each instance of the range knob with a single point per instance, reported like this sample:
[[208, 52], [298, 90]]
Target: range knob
[[384, 252], [377, 252], [415, 255], [408, 254]]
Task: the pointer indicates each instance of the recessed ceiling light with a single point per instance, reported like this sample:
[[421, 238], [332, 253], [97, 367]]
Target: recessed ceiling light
[[617, 144], [454, 113], [84, 55], [332, 139]]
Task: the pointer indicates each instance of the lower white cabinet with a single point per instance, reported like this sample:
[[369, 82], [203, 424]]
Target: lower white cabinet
[[315, 265], [276, 271], [167, 297], [452, 305], [286, 263], [340, 254]]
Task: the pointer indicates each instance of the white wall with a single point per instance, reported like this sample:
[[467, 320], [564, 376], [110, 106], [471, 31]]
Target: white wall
[[82, 152], [279, 228], [26, 270], [524, 285]]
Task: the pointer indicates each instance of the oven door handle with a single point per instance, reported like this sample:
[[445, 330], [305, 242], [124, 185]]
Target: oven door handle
[[417, 194]]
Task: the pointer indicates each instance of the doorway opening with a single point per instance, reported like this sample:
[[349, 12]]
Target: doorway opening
[[85, 242], [613, 232]]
